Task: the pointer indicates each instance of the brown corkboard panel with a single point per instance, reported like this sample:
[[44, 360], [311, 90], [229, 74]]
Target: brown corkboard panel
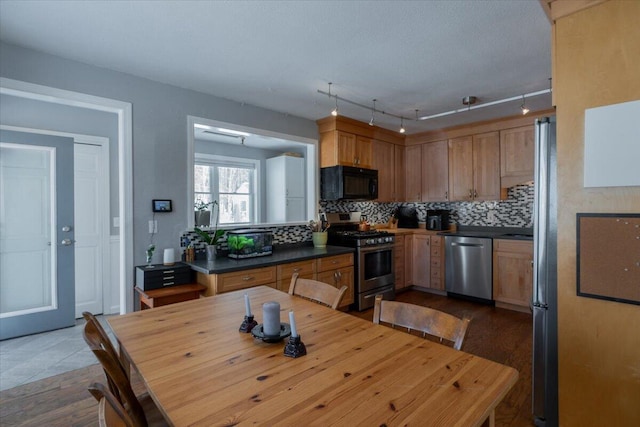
[[608, 247]]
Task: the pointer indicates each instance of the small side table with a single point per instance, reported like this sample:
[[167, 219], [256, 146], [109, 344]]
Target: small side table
[[169, 295]]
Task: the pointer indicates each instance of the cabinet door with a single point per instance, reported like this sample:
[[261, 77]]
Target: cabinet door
[[306, 270], [421, 260], [338, 278], [408, 260], [398, 259], [435, 172], [295, 209], [363, 152], [346, 148], [461, 168], [413, 175], [516, 156], [383, 162], [294, 176], [513, 272], [399, 173], [486, 166]]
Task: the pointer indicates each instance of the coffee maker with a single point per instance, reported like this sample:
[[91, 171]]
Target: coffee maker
[[437, 219]]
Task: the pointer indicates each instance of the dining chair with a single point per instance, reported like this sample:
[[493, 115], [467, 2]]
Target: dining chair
[[316, 291], [110, 411], [423, 319], [141, 409]]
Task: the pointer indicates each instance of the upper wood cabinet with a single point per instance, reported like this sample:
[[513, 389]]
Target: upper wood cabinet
[[399, 173], [384, 162], [388, 160], [474, 167], [413, 173], [343, 148], [435, 172], [516, 156]]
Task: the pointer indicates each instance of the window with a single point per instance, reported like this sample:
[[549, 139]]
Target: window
[[230, 181]]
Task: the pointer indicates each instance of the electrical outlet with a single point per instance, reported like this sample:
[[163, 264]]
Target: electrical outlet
[[491, 216], [116, 221], [153, 226]]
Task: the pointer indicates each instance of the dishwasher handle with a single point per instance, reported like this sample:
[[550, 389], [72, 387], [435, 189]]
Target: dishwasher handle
[[473, 245]]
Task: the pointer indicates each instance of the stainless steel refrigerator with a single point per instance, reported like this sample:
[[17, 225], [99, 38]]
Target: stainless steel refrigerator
[[545, 301]]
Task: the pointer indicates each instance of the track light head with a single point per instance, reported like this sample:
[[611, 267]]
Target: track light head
[[402, 129], [523, 107]]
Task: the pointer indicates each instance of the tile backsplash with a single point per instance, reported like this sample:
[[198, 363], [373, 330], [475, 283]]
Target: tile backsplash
[[515, 211]]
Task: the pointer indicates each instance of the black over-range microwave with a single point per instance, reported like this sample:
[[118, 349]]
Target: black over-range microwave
[[346, 182]]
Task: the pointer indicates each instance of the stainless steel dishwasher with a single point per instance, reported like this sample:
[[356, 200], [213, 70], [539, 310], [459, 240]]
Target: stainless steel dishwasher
[[468, 266]]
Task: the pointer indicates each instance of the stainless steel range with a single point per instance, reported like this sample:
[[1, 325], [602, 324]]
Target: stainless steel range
[[374, 270]]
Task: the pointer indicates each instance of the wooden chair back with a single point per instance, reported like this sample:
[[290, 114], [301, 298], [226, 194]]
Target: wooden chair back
[[110, 411], [317, 291], [107, 345], [116, 375], [423, 319]]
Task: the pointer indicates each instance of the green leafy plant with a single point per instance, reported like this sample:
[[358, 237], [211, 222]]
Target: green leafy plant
[[237, 243], [209, 237]]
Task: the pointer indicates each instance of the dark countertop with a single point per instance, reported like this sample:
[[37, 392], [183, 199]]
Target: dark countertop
[[279, 256], [510, 233]]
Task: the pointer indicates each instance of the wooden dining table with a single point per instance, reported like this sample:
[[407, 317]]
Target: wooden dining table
[[200, 370]]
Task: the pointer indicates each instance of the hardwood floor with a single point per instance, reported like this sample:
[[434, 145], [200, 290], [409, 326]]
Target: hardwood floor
[[500, 335]]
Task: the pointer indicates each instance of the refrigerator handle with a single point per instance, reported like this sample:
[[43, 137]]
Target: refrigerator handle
[[540, 212]]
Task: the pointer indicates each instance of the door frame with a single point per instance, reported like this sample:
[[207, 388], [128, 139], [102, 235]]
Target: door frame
[[123, 111], [105, 203]]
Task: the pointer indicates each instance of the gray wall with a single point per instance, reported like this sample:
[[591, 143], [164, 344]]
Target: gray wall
[[159, 130]]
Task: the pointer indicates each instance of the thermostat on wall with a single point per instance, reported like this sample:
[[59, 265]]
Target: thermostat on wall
[[161, 205]]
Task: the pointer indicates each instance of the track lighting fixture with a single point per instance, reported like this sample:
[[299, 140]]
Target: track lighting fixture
[[373, 112], [469, 103], [523, 107]]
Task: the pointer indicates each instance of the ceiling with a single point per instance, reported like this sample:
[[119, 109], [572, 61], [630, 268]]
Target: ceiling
[[409, 55]]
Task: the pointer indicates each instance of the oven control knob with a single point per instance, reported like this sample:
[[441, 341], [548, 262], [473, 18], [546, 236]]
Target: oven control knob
[[368, 241], [380, 240]]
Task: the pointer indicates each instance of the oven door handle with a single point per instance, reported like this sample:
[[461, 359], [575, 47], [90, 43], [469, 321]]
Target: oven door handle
[[379, 248]]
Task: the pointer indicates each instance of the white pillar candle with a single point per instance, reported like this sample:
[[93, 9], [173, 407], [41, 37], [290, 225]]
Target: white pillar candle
[[292, 321], [169, 256], [247, 306], [271, 318]]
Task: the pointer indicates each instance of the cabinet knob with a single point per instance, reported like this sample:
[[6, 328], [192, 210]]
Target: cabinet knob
[[475, 194], [446, 195], [470, 194]]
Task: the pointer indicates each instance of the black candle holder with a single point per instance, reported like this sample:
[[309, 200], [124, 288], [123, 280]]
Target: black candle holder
[[247, 324], [295, 347]]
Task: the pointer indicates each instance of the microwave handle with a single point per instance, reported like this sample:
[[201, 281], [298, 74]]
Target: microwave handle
[[373, 186]]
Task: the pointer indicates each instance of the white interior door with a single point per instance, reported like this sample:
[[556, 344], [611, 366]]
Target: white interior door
[[36, 233], [90, 214]]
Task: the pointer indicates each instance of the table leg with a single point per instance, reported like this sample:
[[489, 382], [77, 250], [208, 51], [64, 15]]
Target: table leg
[[491, 420]]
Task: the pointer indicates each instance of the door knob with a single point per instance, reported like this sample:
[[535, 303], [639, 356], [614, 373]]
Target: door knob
[[67, 242], [66, 228]]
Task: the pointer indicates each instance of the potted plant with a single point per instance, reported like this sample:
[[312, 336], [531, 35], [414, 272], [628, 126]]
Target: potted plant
[[202, 213], [210, 238]]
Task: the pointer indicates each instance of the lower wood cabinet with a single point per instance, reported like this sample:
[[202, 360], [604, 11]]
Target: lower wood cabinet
[[437, 263], [512, 273], [227, 282], [399, 257], [336, 270], [306, 270], [421, 268]]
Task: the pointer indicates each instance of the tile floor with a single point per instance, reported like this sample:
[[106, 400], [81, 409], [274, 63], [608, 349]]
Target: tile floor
[[34, 357]]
